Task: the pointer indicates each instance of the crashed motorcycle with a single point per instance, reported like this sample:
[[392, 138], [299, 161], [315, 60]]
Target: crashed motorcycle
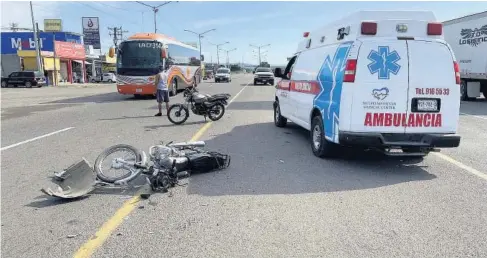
[[211, 106], [164, 167]]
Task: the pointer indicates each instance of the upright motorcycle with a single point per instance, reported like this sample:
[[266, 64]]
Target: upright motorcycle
[[211, 106]]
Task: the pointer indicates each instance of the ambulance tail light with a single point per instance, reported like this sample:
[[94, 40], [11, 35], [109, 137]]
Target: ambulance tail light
[[457, 72], [350, 69], [435, 29], [369, 28]]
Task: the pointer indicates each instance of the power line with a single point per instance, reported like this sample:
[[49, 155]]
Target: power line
[[117, 34], [106, 12]]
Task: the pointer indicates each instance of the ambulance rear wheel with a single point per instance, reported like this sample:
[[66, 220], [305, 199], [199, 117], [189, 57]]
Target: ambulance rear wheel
[[321, 147], [279, 120]]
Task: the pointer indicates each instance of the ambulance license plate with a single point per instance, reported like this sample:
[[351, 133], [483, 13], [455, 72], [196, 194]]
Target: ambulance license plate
[[427, 105], [138, 90]]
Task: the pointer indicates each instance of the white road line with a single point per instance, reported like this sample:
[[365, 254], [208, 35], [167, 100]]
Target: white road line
[[461, 165], [480, 117], [230, 102], [34, 139]]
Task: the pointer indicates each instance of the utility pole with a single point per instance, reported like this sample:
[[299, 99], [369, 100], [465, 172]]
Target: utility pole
[[155, 9], [228, 60], [38, 52], [259, 48], [200, 35], [218, 51], [117, 34]]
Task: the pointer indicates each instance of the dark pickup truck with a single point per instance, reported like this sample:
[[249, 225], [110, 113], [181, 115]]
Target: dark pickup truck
[[24, 78]]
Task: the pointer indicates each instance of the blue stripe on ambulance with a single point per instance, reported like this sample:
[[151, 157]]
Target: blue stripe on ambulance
[[330, 79]]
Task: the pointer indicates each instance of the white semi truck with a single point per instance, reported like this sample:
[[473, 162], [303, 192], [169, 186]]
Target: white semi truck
[[468, 38]]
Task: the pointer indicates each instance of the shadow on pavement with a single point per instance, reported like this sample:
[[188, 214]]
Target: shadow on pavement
[[98, 98], [251, 105], [173, 125], [16, 112], [270, 160], [477, 107], [126, 117]]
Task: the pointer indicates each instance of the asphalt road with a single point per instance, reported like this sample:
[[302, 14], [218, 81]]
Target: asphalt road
[[276, 199]]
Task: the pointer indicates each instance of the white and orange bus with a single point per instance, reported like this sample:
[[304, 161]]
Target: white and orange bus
[[141, 57]]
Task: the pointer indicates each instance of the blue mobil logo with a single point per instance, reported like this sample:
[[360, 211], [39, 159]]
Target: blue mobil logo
[[13, 41]]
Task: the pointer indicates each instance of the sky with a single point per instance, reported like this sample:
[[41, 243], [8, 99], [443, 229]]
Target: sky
[[280, 24]]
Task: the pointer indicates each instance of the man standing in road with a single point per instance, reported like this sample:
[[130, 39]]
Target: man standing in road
[[162, 93]]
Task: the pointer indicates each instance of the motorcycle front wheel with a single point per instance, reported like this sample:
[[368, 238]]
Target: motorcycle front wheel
[[216, 112], [105, 166], [177, 114]]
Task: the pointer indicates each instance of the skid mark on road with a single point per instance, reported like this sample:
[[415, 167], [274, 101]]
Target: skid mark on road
[[461, 165], [35, 138], [87, 249]]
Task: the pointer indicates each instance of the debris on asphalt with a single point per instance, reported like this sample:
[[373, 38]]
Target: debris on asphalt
[[141, 206], [145, 195], [282, 161], [72, 236], [150, 232], [119, 234], [170, 194], [204, 204]]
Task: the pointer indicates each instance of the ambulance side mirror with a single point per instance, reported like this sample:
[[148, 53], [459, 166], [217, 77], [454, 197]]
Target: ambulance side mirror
[[278, 72]]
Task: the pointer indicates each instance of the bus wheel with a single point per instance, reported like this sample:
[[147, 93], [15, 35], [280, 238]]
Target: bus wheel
[[174, 88]]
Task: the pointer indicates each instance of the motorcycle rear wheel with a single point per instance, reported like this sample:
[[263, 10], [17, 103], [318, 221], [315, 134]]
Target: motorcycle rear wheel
[[137, 157], [216, 117], [182, 111]]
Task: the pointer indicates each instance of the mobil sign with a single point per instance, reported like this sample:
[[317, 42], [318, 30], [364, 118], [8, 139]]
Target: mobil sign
[[13, 41]]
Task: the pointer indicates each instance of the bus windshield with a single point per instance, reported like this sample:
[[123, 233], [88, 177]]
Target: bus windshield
[[142, 58]]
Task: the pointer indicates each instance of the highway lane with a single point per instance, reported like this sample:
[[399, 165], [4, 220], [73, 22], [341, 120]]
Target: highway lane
[[35, 226], [278, 200], [275, 200]]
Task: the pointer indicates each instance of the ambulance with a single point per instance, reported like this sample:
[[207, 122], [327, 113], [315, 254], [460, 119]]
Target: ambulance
[[383, 80]]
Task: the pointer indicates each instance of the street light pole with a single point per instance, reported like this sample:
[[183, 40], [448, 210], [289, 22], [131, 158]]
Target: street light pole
[[228, 60], [200, 35], [218, 51], [36, 40], [259, 47], [155, 9]]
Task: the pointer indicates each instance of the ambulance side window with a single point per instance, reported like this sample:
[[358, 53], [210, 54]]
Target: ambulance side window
[[289, 68]]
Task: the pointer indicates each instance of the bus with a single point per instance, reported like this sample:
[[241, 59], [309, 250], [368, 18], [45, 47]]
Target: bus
[[142, 56]]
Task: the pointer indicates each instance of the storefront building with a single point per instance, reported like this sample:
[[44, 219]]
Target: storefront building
[[109, 64], [50, 64], [13, 42], [72, 61]]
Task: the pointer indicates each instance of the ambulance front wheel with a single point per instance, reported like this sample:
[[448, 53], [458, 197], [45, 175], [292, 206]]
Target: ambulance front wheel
[[321, 147], [279, 120]]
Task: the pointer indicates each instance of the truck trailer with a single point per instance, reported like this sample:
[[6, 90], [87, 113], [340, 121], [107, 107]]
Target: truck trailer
[[467, 37]]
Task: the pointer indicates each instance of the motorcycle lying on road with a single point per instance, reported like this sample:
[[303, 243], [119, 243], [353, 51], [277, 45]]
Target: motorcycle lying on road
[[205, 105], [167, 164]]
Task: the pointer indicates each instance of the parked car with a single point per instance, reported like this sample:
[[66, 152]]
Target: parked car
[[26, 78], [107, 77]]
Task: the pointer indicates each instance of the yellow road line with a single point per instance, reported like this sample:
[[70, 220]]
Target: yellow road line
[[461, 165], [88, 248]]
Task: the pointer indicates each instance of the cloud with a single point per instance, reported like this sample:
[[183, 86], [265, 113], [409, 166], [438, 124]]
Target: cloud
[[233, 20], [19, 12]]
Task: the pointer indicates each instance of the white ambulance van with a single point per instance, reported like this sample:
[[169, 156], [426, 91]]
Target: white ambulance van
[[382, 80]]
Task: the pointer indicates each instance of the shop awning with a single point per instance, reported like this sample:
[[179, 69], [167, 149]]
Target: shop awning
[[80, 62]]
